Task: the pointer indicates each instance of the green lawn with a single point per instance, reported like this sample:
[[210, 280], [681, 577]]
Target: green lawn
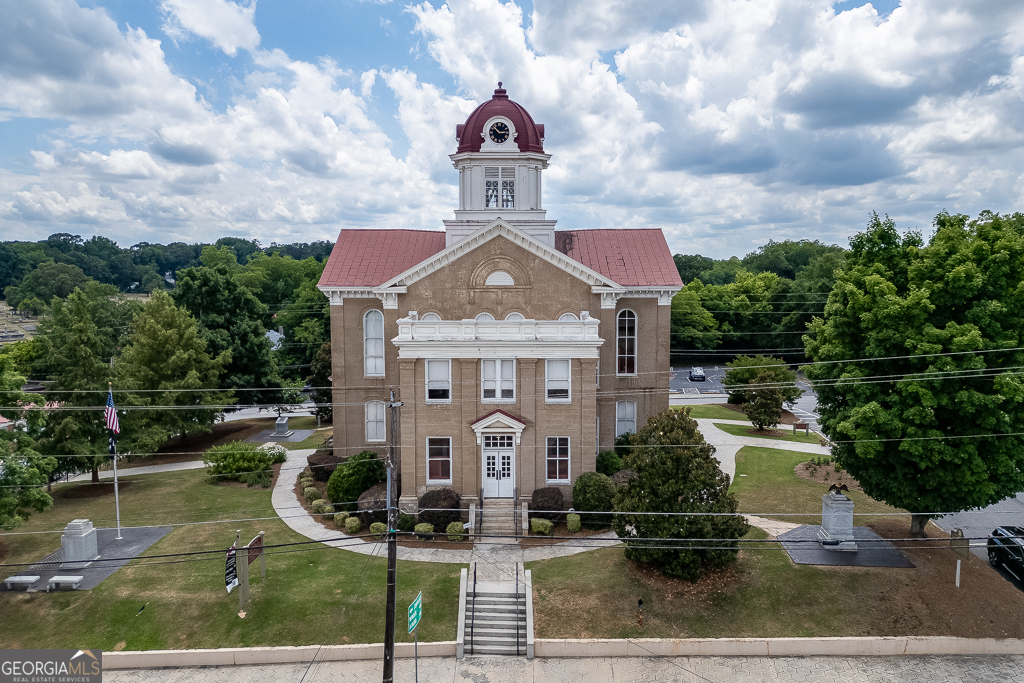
[[768, 597], [312, 441], [712, 411], [771, 486], [743, 430], [315, 596]]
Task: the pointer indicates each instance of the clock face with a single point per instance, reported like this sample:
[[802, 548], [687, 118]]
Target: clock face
[[499, 132]]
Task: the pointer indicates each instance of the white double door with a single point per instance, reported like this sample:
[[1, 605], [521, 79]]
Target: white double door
[[499, 457]]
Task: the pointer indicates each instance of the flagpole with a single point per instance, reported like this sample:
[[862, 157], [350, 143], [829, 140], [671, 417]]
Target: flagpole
[[117, 499]]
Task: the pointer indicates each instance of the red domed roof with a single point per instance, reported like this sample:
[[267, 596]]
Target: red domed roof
[[529, 135]]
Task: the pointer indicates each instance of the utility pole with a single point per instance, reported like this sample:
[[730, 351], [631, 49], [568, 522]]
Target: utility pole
[[389, 612]]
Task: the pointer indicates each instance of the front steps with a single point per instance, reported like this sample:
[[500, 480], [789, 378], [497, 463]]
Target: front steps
[[498, 523], [495, 617]]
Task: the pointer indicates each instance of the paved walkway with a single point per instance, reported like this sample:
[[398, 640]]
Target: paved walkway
[[727, 445], [495, 562], [482, 669], [148, 469]]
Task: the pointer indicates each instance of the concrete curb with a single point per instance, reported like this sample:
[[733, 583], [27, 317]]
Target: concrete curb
[[780, 647], [238, 656], [641, 647]]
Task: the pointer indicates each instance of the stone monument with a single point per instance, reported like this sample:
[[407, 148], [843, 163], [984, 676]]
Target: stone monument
[[281, 427], [836, 531], [78, 544]]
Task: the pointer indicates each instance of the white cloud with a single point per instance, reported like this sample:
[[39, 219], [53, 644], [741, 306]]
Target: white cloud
[[725, 123], [228, 25]]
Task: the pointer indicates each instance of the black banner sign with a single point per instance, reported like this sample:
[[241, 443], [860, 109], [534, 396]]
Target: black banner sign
[[230, 575]]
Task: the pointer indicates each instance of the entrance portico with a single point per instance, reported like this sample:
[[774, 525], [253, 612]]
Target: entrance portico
[[498, 434]]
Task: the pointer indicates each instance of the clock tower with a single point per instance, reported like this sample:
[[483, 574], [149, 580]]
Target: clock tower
[[500, 159]]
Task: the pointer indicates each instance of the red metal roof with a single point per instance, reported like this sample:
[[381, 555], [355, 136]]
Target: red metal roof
[[631, 257], [529, 135], [367, 258]]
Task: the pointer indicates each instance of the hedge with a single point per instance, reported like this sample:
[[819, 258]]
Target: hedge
[[354, 476], [594, 492], [339, 519], [573, 522], [539, 525], [353, 525], [424, 531], [455, 532], [546, 500], [241, 461], [379, 530], [440, 507]]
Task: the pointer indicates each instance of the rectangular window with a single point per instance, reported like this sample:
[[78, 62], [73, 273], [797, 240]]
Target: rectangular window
[[375, 421], [556, 381], [558, 459], [498, 380], [439, 460], [625, 418], [439, 380], [491, 185]]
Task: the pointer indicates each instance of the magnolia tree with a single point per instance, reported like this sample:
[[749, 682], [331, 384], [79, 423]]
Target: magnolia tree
[[675, 471]]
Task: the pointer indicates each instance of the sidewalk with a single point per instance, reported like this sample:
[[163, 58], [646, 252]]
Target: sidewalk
[[482, 669]]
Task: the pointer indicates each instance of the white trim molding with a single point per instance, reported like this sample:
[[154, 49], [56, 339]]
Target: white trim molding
[[497, 228], [497, 422], [499, 339]]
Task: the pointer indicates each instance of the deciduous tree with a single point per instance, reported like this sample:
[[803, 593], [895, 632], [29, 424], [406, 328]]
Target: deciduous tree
[[930, 421]]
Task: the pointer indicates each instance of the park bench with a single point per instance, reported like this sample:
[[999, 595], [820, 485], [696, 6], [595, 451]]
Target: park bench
[[802, 425], [27, 581], [58, 582]]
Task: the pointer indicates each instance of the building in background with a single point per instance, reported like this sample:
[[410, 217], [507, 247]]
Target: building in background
[[519, 350]]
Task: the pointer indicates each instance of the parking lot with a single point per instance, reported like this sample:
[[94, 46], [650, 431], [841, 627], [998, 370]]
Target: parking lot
[[711, 385]]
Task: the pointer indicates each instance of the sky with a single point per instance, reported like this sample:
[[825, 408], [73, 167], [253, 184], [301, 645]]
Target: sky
[[725, 123]]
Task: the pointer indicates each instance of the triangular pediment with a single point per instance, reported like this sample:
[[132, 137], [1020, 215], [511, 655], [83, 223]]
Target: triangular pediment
[[498, 228]]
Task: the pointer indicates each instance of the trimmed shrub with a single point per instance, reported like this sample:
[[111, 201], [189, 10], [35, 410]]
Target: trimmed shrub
[[541, 526], [406, 522], [379, 530], [608, 462], [238, 461], [339, 519], [320, 505], [373, 504], [594, 492], [353, 525], [546, 499], [424, 531], [440, 507], [311, 493], [354, 476], [322, 464], [456, 533], [573, 522]]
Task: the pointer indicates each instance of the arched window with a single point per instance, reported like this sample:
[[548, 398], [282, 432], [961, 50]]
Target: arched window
[[431, 317], [375, 421], [373, 344], [514, 317], [568, 318], [626, 347], [484, 318], [625, 418], [499, 278]]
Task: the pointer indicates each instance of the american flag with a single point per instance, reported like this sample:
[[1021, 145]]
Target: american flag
[[111, 414]]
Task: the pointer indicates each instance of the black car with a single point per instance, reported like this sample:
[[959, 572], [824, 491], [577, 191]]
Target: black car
[[1006, 547], [697, 375]]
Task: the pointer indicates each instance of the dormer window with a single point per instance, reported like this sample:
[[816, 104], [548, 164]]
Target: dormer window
[[500, 187]]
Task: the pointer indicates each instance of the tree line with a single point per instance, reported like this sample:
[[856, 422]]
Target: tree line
[[179, 351]]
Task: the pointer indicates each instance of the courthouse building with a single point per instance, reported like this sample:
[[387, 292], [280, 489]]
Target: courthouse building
[[518, 350]]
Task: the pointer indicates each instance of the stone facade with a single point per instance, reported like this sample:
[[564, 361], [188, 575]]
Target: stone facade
[[511, 294]]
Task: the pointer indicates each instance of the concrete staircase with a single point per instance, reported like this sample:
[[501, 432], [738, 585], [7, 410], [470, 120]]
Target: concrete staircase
[[499, 521], [495, 618]]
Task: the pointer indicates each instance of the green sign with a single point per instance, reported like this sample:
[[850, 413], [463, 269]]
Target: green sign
[[415, 612]]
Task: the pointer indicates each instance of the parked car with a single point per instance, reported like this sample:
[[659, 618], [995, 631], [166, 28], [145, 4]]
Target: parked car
[[1006, 548], [697, 375]]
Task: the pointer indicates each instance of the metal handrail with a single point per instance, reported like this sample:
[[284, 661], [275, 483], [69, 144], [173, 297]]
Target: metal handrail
[[480, 513], [517, 609], [472, 617]]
